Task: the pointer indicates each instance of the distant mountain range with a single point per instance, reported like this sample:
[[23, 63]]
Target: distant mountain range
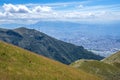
[[45, 45], [102, 39]]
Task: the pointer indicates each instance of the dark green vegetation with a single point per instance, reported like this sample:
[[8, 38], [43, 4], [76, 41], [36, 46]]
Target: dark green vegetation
[[19, 64], [45, 45], [109, 68]]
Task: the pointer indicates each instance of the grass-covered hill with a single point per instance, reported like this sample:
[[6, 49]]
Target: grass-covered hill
[[98, 68], [19, 64], [45, 45], [113, 59]]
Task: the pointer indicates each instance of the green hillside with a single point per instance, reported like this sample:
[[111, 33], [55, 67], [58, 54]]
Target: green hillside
[[19, 64], [113, 59], [98, 68]]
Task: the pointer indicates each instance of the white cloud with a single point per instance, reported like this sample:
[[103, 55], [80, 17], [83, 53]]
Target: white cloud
[[42, 9], [15, 8], [24, 9], [71, 12]]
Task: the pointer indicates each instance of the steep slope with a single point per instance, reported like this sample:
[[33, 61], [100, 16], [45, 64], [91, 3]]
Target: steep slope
[[19, 64], [113, 59], [45, 45], [98, 68]]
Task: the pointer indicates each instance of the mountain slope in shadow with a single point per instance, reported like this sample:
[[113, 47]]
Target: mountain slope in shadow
[[45, 45]]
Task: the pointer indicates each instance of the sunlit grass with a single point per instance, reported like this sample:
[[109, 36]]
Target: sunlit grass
[[98, 68], [19, 64]]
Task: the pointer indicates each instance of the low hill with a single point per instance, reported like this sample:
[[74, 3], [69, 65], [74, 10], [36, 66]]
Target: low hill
[[45, 45], [19, 64], [98, 68], [113, 59]]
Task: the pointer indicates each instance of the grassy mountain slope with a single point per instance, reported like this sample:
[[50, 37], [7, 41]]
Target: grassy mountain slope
[[19, 64], [45, 45], [113, 59], [98, 68]]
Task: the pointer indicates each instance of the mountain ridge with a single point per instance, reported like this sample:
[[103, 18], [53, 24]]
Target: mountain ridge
[[45, 45]]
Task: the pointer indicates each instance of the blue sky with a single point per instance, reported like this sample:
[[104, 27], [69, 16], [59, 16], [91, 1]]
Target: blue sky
[[36, 1], [103, 2], [32, 11]]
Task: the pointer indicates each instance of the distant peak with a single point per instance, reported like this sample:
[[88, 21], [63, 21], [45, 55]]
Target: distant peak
[[21, 28], [24, 29]]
